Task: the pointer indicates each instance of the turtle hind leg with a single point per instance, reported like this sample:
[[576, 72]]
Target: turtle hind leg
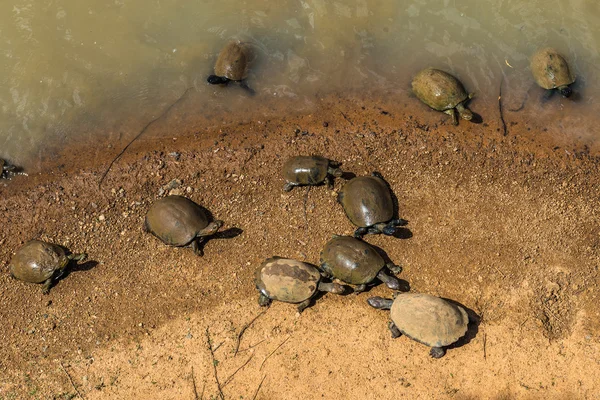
[[263, 300], [360, 232], [394, 330], [437, 352], [47, 286], [360, 288], [302, 306], [452, 113], [289, 186]]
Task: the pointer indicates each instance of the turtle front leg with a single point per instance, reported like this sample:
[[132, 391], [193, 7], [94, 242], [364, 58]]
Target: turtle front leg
[[394, 329], [289, 186], [391, 281], [302, 306], [329, 181], [360, 288], [360, 232], [451, 113], [77, 257], [437, 352], [197, 246], [47, 285], [263, 300], [389, 229], [338, 173]]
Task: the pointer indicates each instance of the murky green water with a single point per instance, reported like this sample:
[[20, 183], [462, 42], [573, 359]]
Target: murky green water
[[71, 69]]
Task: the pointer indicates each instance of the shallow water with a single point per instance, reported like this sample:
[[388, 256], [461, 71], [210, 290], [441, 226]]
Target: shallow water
[[75, 69]]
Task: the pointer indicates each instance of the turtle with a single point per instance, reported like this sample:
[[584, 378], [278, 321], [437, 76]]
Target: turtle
[[443, 92], [41, 262], [232, 65], [367, 201], [427, 319], [309, 170], [551, 71], [291, 281], [5, 168], [354, 261], [178, 221]]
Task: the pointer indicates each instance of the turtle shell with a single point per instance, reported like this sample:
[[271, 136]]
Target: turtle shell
[[287, 280], [37, 261], [306, 170], [367, 201], [438, 89], [176, 220], [233, 62], [351, 260], [428, 319], [550, 70]]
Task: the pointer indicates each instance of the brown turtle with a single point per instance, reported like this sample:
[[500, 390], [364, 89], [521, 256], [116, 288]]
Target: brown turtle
[[354, 261], [232, 65], [428, 319], [290, 281], [178, 221], [551, 71], [41, 262], [367, 201], [443, 92], [309, 170]]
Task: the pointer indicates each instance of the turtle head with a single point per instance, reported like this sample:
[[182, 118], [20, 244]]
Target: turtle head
[[216, 80], [565, 91], [211, 228]]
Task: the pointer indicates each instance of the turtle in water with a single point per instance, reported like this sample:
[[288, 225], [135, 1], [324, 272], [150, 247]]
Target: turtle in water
[[551, 71], [367, 201], [41, 262], [309, 170], [178, 221], [428, 319], [443, 92], [291, 281], [356, 262], [232, 65]]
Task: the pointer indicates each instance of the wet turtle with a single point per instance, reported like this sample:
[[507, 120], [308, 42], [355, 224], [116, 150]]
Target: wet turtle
[[428, 319], [309, 170], [551, 71], [41, 262], [353, 261], [443, 92], [178, 221], [232, 65], [290, 281], [367, 201]]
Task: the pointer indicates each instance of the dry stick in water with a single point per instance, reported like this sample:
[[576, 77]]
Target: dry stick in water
[[273, 352], [239, 337], [71, 380], [214, 364], [140, 134], [258, 388]]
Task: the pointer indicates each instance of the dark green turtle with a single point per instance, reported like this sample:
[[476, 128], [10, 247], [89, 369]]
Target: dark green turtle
[[427, 319], [367, 201], [232, 65], [551, 71], [178, 221], [309, 170], [290, 281], [443, 92], [41, 262], [353, 261]]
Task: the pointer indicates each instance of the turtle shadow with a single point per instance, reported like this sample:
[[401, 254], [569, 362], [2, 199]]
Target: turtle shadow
[[472, 327], [347, 175], [401, 231], [476, 119], [74, 266], [229, 233]]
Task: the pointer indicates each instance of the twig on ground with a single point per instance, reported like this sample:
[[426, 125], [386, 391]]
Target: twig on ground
[[214, 364], [258, 388], [239, 336], [504, 129], [273, 352], [236, 371], [194, 383], [71, 380], [484, 346], [252, 346], [346, 118]]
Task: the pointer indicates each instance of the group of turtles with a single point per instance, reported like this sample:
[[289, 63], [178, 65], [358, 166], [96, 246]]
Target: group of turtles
[[366, 200]]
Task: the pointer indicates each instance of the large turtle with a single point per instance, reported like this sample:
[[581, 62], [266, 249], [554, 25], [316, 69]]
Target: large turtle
[[551, 71], [232, 65], [178, 221], [41, 262], [427, 319], [309, 170], [367, 201], [354, 261], [291, 281], [443, 92]]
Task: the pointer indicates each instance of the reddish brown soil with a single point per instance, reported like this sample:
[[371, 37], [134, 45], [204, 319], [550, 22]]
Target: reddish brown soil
[[508, 226]]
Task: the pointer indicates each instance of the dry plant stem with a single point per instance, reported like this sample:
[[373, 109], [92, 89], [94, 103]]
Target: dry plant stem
[[194, 383], [504, 129], [236, 371], [258, 388], [252, 346], [239, 337], [273, 352], [71, 380], [214, 364], [484, 346]]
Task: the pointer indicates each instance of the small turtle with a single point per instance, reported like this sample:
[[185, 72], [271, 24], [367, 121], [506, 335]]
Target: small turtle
[[290, 281], [178, 221], [367, 201], [41, 262], [232, 65], [427, 319], [551, 71], [309, 170], [443, 92], [5, 168], [353, 261]]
